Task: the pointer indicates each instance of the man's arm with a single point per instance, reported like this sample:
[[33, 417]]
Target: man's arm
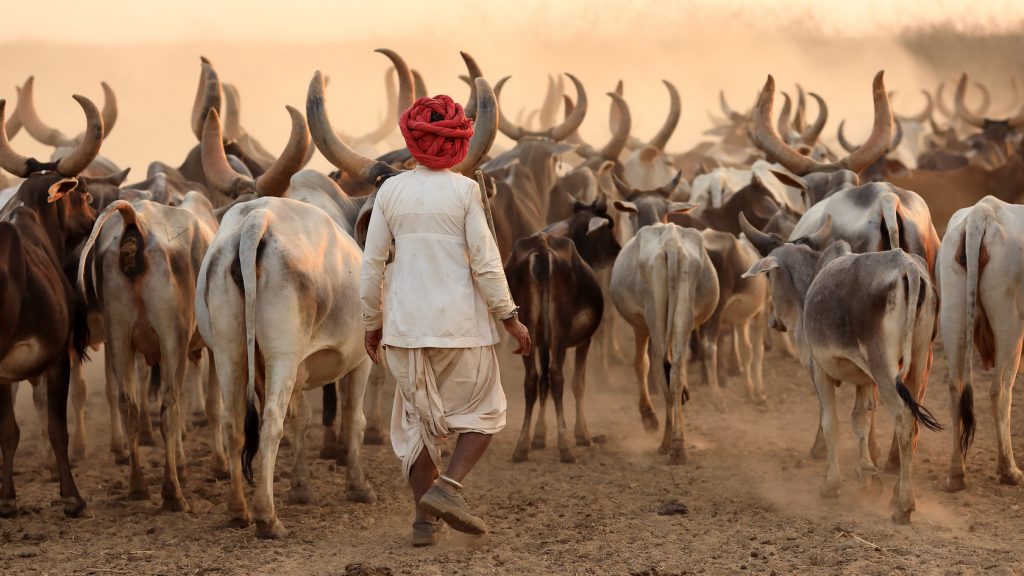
[[484, 259], [371, 276]]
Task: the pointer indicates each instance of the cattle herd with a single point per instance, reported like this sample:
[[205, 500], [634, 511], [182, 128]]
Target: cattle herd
[[232, 278]]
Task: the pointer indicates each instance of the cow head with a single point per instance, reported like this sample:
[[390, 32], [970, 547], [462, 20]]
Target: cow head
[[646, 207], [994, 147], [804, 139], [592, 228], [648, 166]]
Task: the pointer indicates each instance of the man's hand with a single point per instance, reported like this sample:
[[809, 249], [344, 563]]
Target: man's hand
[[372, 343], [516, 329]]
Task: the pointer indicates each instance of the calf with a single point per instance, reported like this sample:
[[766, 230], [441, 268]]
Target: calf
[[981, 270], [41, 320], [664, 285], [867, 319]]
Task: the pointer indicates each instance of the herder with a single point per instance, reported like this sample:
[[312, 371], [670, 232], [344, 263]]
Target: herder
[[433, 310]]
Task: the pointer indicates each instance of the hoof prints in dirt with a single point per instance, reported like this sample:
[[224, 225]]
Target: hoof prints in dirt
[[364, 570]]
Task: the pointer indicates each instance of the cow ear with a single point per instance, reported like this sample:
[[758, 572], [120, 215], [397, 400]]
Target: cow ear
[[762, 266], [790, 180], [764, 207], [649, 153], [61, 188], [681, 207], [623, 206], [596, 224], [605, 168]]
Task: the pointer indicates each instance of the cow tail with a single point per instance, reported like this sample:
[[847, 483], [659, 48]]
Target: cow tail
[[974, 235], [913, 299], [541, 270], [132, 248], [890, 219], [248, 246]]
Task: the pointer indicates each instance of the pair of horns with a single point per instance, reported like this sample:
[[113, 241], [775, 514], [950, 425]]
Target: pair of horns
[[26, 114], [557, 133], [83, 153], [807, 134], [977, 120]]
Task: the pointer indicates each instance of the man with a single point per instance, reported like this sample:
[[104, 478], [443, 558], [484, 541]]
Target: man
[[433, 310]]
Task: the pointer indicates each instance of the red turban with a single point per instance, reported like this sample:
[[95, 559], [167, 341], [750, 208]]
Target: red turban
[[437, 131]]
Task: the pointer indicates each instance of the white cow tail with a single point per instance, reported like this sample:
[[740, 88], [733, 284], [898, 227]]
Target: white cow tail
[[248, 247], [913, 280], [890, 202], [131, 222], [974, 236]]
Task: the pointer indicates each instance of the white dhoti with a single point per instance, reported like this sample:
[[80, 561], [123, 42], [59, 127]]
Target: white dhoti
[[441, 391]]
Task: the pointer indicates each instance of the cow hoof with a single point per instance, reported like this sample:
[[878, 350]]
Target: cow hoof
[[241, 519], [520, 455], [677, 457], [871, 483], [901, 517], [121, 457], [146, 438], [175, 504], [830, 491], [8, 509], [819, 452], [1012, 478], [270, 530], [956, 483], [584, 441], [373, 437], [567, 457], [363, 495], [650, 422], [342, 459], [300, 495], [73, 507], [329, 452], [219, 468], [538, 443]]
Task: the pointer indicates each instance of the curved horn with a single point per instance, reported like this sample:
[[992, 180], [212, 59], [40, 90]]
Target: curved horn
[[86, 151], [674, 112], [109, 112], [764, 243], [232, 112], [881, 132], [13, 125], [617, 144], [552, 98], [485, 129], [783, 125], [765, 136], [986, 99], [669, 188], [387, 125], [1017, 121], [961, 108], [925, 114], [940, 104], [842, 138], [728, 111], [800, 114], [332, 147], [474, 72], [405, 80], [504, 124], [898, 137], [613, 112], [572, 123], [811, 133], [26, 112], [820, 236], [9, 159], [419, 86], [207, 96], [274, 182], [219, 174]]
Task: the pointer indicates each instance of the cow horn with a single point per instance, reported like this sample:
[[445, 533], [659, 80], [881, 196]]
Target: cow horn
[[898, 137], [783, 125], [219, 173], [961, 109], [818, 239], [405, 81], [485, 129], [419, 86], [940, 103], [333, 148], [669, 188], [728, 111], [986, 99], [9, 159], [674, 111], [274, 182], [924, 114], [387, 125], [572, 123], [208, 96], [474, 72], [506, 126], [811, 133], [765, 136], [881, 132], [617, 144], [800, 114], [87, 150], [764, 243], [109, 111], [842, 138], [1017, 121], [232, 112], [26, 112], [613, 112], [13, 125]]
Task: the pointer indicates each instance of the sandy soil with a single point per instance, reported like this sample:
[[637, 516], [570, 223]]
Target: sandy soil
[[749, 489]]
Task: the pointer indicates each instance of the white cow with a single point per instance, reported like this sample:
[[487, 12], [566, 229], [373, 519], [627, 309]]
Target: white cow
[[981, 275], [664, 284]]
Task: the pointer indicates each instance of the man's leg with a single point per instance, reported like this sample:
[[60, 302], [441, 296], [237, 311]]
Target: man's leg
[[421, 478], [468, 451]]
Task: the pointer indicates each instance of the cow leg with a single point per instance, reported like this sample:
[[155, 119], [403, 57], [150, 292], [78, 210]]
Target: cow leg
[[359, 490], [738, 354], [118, 444], [329, 449], [57, 381], [300, 492], [280, 382], [676, 385], [825, 386], [1001, 394], [863, 410], [531, 385], [375, 394], [709, 363], [344, 423], [555, 366], [540, 429], [10, 434], [78, 396], [641, 367], [905, 427], [38, 386], [195, 390], [172, 375], [757, 329], [579, 385], [215, 416], [144, 374], [124, 361], [231, 376]]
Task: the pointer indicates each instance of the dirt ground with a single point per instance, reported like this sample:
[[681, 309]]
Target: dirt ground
[[749, 494]]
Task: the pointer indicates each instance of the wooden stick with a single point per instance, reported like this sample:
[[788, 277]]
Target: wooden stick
[[487, 204]]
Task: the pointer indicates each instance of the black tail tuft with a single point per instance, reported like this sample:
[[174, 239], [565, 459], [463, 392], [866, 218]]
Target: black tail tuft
[[252, 440], [967, 416], [80, 329], [921, 414], [154, 381], [330, 403]]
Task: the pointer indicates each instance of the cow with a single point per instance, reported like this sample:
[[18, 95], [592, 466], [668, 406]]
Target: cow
[[41, 319], [996, 143], [867, 319], [562, 305], [664, 285], [981, 264], [649, 166]]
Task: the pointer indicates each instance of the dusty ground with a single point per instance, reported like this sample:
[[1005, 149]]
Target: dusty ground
[[749, 489]]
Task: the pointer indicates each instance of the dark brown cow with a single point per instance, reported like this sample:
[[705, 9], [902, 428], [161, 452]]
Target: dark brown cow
[[41, 319], [562, 305]]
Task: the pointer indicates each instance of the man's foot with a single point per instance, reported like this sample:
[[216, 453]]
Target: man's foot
[[425, 533], [452, 508]]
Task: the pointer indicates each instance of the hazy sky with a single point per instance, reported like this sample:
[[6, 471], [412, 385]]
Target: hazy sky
[[118, 21]]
